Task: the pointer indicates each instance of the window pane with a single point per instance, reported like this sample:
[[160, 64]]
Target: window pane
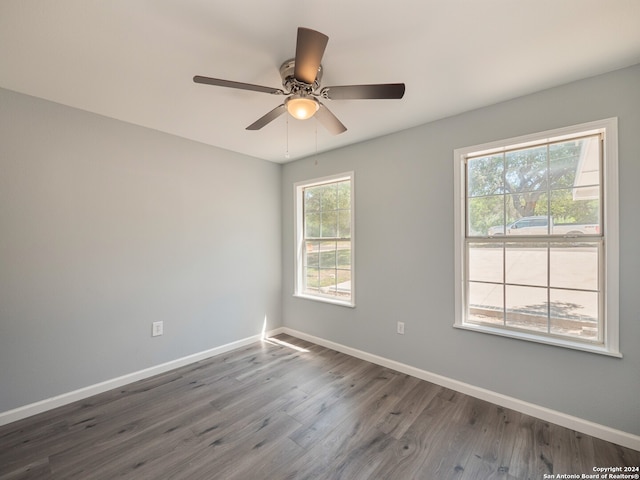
[[328, 255], [312, 257], [329, 227], [329, 200], [328, 280], [312, 279], [574, 313], [563, 163], [576, 211], [575, 163], [526, 263], [485, 262], [343, 255], [312, 225], [344, 195], [526, 170], [523, 211], [485, 215], [527, 308], [484, 176], [574, 265], [343, 287], [344, 224], [312, 199], [486, 303]]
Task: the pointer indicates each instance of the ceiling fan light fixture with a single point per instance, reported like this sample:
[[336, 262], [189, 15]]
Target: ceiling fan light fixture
[[301, 78], [302, 107]]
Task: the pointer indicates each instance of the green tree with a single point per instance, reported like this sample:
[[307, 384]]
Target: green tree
[[519, 183]]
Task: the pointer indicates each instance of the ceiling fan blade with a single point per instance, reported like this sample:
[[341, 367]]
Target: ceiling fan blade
[[268, 118], [242, 86], [329, 120], [357, 92], [309, 51]]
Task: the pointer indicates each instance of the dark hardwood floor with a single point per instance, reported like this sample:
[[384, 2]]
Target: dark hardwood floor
[[270, 411]]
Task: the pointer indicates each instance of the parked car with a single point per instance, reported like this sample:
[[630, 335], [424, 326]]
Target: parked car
[[538, 225], [495, 230]]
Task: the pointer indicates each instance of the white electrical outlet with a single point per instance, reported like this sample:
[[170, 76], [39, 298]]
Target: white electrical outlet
[[157, 328], [401, 328]]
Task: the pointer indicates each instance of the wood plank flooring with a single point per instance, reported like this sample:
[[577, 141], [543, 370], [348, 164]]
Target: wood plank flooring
[[289, 409]]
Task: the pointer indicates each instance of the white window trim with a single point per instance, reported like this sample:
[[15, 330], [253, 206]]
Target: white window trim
[[300, 243], [611, 345]]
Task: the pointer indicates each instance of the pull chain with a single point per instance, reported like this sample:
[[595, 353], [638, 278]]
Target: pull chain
[[286, 153], [316, 155]]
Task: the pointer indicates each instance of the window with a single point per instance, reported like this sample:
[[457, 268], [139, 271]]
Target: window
[[324, 239], [537, 237]]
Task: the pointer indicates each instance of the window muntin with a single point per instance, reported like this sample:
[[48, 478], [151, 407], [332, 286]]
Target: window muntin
[[324, 269], [533, 260]]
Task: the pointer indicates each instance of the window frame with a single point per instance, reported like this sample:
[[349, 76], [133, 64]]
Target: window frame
[[609, 267], [299, 244]]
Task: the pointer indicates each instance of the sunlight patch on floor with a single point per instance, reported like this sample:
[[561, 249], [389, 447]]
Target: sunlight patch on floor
[[275, 341]]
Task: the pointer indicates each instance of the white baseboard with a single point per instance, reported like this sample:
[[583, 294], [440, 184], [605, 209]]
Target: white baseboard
[[50, 403], [574, 423]]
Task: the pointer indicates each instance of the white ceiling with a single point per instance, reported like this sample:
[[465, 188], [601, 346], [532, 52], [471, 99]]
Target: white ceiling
[[134, 60]]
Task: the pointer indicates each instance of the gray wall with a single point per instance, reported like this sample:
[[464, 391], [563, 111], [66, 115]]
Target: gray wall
[[106, 227], [405, 257]]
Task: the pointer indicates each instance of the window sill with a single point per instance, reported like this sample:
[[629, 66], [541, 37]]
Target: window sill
[[333, 301], [532, 337]]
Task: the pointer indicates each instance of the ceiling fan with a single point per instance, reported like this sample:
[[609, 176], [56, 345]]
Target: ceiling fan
[[301, 77]]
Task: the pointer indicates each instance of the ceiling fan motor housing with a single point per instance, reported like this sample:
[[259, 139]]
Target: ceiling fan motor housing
[[291, 84]]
